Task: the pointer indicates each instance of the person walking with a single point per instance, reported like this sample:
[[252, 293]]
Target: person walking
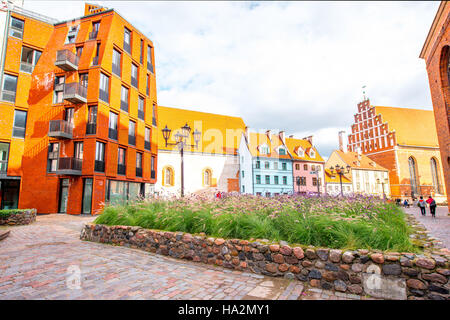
[[406, 203], [422, 205], [432, 205]]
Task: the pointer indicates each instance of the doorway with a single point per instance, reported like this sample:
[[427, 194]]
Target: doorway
[[86, 207], [10, 194], [63, 195]]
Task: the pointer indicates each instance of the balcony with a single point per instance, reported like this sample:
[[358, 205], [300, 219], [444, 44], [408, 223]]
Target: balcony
[[60, 129], [138, 172], [99, 166], [93, 35], [75, 93], [67, 60], [132, 140], [69, 166], [152, 174], [91, 128], [121, 169], [112, 133], [147, 145]]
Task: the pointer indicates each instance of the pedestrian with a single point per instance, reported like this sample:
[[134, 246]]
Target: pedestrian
[[406, 203], [422, 205], [432, 205]]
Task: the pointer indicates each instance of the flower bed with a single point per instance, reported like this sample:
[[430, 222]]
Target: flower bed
[[340, 223], [17, 216]]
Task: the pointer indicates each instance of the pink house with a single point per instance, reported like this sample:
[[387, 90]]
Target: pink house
[[307, 166]]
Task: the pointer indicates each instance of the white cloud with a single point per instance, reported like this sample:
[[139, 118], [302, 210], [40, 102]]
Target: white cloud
[[298, 66]]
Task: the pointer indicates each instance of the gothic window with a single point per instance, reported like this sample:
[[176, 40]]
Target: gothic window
[[413, 176], [435, 175]]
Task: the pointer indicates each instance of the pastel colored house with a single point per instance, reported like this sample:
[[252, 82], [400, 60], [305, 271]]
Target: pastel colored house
[[211, 167], [333, 184], [308, 165], [265, 164]]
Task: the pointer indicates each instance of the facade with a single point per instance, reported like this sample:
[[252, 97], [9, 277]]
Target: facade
[[90, 97], [308, 166], [405, 142], [212, 166], [23, 37], [367, 177], [265, 164], [333, 184], [436, 53]]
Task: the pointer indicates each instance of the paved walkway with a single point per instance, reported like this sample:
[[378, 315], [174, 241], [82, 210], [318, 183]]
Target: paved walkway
[[438, 227], [46, 260]]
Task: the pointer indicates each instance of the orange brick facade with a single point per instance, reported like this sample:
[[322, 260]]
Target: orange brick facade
[[436, 52], [92, 174]]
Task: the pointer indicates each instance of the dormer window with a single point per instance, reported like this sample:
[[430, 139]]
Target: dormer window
[[312, 153], [281, 151], [72, 34], [300, 152], [263, 149]]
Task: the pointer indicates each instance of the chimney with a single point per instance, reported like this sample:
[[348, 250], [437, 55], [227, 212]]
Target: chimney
[[310, 139], [269, 134], [342, 141], [291, 136], [282, 136]]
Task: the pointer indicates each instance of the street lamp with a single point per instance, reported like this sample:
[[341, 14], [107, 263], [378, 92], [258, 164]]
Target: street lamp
[[181, 143], [340, 171], [382, 183]]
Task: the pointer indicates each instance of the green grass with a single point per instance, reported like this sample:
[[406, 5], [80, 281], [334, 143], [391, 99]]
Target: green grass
[[7, 212], [323, 222]]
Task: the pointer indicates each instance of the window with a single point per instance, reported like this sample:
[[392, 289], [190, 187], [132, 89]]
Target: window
[[79, 51], [78, 150], [243, 189], [20, 122], [154, 115], [127, 40], [275, 179], [152, 166], [258, 179], [9, 88], [267, 179], [72, 34], [58, 89], [264, 149], [4, 152], [284, 180], [121, 168], [268, 194], [141, 112], [266, 165], [297, 166], [132, 133], [281, 151], [149, 59], [134, 75], [243, 175], [305, 167], [97, 52], [142, 51], [302, 181], [29, 59], [68, 116], [116, 58], [147, 144], [284, 166], [207, 177], [314, 181], [112, 132], [138, 164], [91, 126], [84, 79], [95, 28], [148, 84], [168, 176], [53, 154], [16, 29], [258, 164], [313, 167], [435, 176], [99, 157], [124, 99], [104, 88]]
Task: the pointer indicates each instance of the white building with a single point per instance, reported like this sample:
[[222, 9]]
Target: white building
[[333, 184], [212, 166]]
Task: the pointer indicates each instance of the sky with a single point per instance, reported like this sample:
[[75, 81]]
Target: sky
[[292, 66]]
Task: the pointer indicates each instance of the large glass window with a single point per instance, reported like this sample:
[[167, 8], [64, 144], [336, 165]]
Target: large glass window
[[53, 154], [121, 168], [29, 59], [9, 88], [16, 29], [58, 89], [99, 157], [4, 152], [132, 133], [138, 164], [117, 192], [91, 127], [87, 195], [149, 59], [154, 115], [124, 99], [127, 40], [435, 176], [20, 122], [116, 58], [258, 179], [413, 176], [104, 88], [78, 152], [141, 112], [267, 179], [147, 144], [112, 132], [134, 75]]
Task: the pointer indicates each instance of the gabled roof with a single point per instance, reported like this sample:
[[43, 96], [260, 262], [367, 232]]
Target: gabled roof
[[330, 178], [293, 144], [221, 134], [257, 139], [351, 159], [414, 127]]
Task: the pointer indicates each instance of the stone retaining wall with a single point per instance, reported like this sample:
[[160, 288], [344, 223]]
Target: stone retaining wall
[[385, 275], [18, 217]]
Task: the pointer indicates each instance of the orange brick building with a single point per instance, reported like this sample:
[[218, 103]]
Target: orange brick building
[[436, 53], [91, 103], [405, 142]]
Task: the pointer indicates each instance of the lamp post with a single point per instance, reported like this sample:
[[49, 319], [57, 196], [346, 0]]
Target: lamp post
[[382, 184], [340, 171], [181, 143]]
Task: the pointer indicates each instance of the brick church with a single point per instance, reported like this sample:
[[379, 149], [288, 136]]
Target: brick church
[[436, 53], [405, 142]]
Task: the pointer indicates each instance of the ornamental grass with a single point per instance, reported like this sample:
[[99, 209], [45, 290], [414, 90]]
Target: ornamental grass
[[354, 222]]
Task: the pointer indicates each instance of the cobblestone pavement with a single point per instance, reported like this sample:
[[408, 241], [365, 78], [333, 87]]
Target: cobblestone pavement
[[42, 260], [438, 227]]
